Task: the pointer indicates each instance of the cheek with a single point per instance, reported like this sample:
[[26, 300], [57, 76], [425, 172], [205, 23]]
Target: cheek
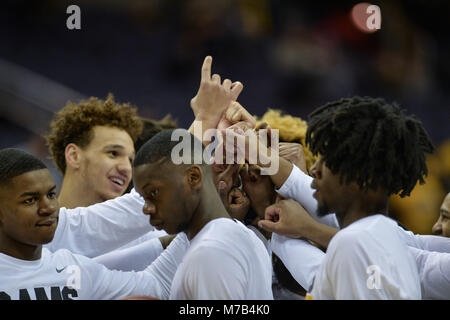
[[19, 226], [446, 228]]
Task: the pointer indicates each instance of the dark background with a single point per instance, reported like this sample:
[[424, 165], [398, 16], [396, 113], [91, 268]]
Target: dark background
[[290, 55]]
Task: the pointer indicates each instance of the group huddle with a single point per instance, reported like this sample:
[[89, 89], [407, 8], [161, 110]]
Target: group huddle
[[130, 222]]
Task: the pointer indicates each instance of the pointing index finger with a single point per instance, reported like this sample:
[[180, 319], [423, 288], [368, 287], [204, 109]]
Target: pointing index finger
[[206, 68]]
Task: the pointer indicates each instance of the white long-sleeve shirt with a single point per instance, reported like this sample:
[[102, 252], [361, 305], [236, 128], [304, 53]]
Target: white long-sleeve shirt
[[298, 187], [100, 228], [63, 275], [132, 258], [434, 272], [367, 260], [300, 257]]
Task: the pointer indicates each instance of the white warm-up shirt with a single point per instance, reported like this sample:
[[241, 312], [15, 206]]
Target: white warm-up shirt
[[63, 275], [434, 271], [367, 260], [301, 258], [298, 187], [225, 261], [133, 258], [95, 230], [135, 255]]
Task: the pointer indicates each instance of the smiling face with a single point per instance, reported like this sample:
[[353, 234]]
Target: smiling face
[[28, 210], [167, 195], [442, 225], [106, 162]]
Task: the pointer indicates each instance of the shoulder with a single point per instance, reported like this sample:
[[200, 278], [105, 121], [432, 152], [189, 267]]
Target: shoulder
[[224, 229]]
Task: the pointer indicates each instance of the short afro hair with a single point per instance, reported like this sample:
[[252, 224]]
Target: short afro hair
[[160, 146], [74, 123], [14, 162], [152, 127], [367, 141]]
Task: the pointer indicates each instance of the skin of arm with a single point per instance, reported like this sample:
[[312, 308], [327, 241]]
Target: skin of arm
[[289, 218], [166, 240]]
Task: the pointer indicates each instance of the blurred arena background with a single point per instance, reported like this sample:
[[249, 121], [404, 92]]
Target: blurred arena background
[[290, 55]]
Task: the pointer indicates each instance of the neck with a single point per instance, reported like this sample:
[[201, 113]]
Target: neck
[[19, 250], [73, 194], [209, 208], [361, 208]]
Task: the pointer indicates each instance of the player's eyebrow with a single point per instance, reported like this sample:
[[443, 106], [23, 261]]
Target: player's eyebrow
[[113, 146], [35, 193]]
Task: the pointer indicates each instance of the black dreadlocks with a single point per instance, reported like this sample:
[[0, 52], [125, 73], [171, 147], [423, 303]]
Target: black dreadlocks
[[370, 142]]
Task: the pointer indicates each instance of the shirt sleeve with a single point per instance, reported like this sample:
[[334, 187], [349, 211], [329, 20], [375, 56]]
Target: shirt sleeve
[[215, 275], [100, 228], [425, 242], [300, 257], [154, 281], [298, 187], [434, 273], [134, 258]]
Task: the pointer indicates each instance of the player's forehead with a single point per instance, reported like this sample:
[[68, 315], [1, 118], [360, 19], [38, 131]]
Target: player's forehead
[[32, 181], [112, 137], [446, 203], [152, 173]]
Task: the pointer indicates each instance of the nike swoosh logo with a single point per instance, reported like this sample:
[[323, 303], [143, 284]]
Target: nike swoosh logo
[[60, 270]]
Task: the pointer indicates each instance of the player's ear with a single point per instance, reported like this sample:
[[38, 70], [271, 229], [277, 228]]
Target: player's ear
[[73, 156], [194, 177]]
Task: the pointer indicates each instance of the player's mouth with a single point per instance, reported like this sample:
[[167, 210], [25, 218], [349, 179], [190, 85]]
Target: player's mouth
[[46, 222], [158, 224], [118, 182]]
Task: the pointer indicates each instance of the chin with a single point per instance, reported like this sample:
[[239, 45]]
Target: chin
[[47, 239], [109, 196], [322, 210]]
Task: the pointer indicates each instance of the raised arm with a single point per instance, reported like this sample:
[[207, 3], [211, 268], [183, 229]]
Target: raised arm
[[300, 257], [212, 100]]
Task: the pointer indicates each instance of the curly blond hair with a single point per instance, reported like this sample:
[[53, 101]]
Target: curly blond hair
[[74, 123], [291, 129]]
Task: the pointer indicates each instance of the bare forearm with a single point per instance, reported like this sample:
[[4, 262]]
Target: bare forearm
[[199, 126], [320, 233], [284, 170]]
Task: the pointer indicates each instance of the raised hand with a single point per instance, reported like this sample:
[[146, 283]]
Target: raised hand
[[213, 97], [293, 152], [287, 218], [290, 219], [236, 116]]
